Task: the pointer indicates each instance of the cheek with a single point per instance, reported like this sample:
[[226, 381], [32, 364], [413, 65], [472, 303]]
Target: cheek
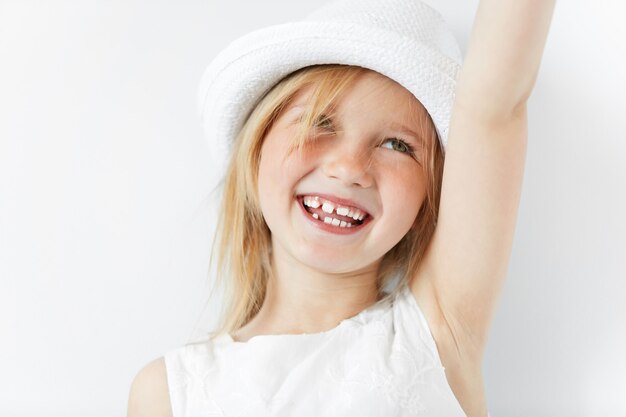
[[279, 166], [405, 194], [278, 175], [268, 180]]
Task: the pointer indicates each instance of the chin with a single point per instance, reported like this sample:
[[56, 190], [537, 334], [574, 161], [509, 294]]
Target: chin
[[335, 262]]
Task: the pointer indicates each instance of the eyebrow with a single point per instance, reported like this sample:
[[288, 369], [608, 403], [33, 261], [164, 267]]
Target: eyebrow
[[299, 100], [299, 104], [404, 129]]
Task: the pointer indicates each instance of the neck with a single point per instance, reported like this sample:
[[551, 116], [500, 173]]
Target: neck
[[301, 299]]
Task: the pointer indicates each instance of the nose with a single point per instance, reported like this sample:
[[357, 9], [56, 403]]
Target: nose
[[350, 166]]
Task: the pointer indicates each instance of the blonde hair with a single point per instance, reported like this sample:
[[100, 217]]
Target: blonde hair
[[243, 240]]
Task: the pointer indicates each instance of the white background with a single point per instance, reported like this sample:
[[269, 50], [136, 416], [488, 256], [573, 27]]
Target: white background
[[106, 210]]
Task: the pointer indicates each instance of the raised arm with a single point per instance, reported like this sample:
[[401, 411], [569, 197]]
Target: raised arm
[[467, 260], [503, 57]]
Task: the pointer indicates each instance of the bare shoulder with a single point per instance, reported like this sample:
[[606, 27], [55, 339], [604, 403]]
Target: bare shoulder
[[149, 395]]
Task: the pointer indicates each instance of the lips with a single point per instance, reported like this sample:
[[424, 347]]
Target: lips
[[332, 211]]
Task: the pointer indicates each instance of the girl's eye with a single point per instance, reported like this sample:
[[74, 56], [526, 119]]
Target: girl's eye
[[323, 122], [399, 145]]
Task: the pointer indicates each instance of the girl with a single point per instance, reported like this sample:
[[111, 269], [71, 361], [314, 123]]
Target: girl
[[363, 273]]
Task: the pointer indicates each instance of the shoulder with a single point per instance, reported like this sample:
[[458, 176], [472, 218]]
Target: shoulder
[[149, 394]]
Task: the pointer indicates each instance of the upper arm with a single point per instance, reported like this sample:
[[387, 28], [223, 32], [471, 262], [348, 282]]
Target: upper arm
[[467, 259], [149, 396]]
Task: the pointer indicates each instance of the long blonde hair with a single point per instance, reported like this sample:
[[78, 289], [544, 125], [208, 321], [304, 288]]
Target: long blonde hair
[[243, 240]]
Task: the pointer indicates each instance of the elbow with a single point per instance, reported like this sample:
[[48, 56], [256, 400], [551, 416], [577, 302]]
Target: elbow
[[492, 112], [493, 98]]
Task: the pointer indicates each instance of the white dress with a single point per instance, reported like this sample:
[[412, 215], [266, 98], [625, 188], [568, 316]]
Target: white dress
[[382, 362]]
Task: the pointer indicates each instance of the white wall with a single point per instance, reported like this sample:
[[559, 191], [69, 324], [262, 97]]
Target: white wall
[[105, 204]]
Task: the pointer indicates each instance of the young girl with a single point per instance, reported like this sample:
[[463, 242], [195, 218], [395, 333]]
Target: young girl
[[362, 271]]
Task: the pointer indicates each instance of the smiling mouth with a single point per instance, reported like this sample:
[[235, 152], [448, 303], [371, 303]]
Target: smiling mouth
[[333, 213]]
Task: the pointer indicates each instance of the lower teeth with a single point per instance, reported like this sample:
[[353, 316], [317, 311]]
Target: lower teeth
[[333, 221]]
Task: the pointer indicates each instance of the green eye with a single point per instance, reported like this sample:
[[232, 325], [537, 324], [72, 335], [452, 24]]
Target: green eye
[[397, 145], [323, 122]]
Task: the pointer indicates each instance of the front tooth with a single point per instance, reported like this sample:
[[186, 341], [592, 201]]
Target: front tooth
[[343, 211], [328, 220], [314, 202], [328, 207], [335, 222]]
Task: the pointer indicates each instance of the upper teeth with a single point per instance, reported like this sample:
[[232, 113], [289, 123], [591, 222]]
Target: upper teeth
[[313, 202], [329, 207]]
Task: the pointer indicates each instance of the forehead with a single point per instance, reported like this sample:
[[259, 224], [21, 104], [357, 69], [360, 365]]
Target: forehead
[[373, 94]]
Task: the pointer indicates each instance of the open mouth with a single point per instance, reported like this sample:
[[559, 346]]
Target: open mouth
[[333, 213]]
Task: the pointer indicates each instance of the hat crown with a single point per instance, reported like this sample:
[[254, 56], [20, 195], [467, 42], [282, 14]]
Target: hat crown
[[410, 19]]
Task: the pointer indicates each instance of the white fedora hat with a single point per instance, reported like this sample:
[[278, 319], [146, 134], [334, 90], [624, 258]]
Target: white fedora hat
[[405, 40]]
